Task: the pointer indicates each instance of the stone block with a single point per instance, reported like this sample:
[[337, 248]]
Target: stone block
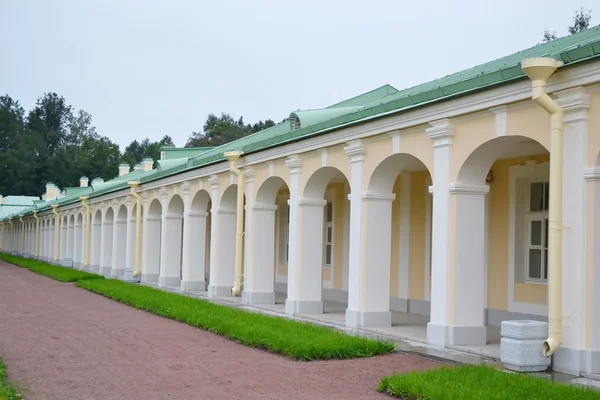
[[521, 346]]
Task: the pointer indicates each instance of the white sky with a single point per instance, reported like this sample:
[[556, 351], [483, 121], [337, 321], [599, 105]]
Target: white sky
[[148, 68]]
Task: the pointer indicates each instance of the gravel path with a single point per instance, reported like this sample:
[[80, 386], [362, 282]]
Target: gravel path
[[63, 342]]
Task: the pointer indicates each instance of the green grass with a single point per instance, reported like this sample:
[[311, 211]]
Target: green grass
[[297, 340], [7, 392], [478, 382], [52, 271]]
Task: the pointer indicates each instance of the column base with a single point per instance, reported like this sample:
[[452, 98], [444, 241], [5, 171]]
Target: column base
[[150, 278], [77, 264], [193, 286], [219, 291], [169, 281], [66, 262], [128, 276], [258, 297], [14, 253], [445, 335], [117, 272], [94, 268], [105, 270], [303, 307], [576, 361], [373, 319], [26, 255]]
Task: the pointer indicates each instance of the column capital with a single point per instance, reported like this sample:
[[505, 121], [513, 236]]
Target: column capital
[[114, 203], [356, 150], [294, 163], [375, 197], [213, 181], [441, 132], [312, 203], [468, 188], [576, 102], [185, 188], [144, 196], [592, 174], [163, 193], [248, 174]]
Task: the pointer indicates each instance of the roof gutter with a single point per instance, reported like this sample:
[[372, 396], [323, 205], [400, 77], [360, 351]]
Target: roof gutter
[[539, 70]]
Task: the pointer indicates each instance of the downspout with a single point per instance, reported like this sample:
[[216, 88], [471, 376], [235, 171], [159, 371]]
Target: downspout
[[22, 233], [56, 231], [37, 233], [539, 70], [11, 237], [87, 230], [138, 226], [232, 157]]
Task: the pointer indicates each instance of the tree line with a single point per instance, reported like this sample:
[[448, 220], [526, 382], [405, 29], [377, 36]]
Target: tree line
[[53, 142]]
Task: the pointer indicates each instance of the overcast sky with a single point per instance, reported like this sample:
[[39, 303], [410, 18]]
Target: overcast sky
[[149, 68]]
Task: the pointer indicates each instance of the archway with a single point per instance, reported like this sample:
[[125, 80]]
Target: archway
[[151, 246], [119, 242], [171, 241], [106, 244], [196, 246], [321, 245], [96, 241], [222, 253]]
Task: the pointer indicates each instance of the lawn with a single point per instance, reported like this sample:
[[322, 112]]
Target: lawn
[[297, 340], [479, 382], [53, 271], [7, 392]]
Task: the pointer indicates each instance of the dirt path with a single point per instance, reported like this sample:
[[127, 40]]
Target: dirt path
[[63, 342]]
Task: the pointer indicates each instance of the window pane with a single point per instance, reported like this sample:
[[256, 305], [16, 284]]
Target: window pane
[[546, 233], [329, 211], [545, 264], [329, 233], [546, 195], [536, 233], [536, 200], [328, 254], [535, 263]]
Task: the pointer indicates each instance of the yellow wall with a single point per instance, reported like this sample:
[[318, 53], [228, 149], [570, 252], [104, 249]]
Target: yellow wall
[[395, 256], [498, 240], [418, 191]]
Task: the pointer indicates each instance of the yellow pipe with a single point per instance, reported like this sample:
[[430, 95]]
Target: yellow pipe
[[539, 70], [232, 157], [11, 237], [22, 233], [37, 233], [56, 232], [87, 230], [138, 227]]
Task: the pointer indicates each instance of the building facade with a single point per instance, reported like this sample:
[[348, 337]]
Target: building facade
[[431, 201]]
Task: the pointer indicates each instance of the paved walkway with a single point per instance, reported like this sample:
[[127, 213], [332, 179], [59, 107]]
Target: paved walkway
[[63, 342]]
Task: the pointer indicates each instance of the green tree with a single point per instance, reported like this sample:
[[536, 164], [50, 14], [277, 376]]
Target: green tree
[[581, 22], [136, 151], [224, 129]]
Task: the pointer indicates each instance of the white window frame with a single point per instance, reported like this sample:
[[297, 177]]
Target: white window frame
[[530, 217]]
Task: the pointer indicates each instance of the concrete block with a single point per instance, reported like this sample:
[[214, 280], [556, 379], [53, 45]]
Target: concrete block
[[521, 346]]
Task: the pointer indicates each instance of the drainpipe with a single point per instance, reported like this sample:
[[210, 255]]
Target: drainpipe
[[11, 237], [37, 233], [232, 157], [138, 226], [22, 233], [87, 230], [2, 233], [539, 70], [56, 232]]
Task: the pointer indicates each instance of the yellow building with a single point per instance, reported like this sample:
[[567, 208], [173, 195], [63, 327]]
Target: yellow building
[[432, 212]]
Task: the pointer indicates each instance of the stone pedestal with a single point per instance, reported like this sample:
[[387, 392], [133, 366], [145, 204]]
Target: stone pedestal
[[521, 347]]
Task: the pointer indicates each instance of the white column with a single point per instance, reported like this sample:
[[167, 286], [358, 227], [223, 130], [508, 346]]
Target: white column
[[591, 352], [96, 242], [151, 247], [305, 264], [222, 246], [458, 252], [171, 236], [193, 262], [119, 243], [77, 236], [130, 249], [573, 357]]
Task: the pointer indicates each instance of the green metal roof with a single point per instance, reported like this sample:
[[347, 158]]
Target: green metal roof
[[183, 152], [377, 103], [174, 162]]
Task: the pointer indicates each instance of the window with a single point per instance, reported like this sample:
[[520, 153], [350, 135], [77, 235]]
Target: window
[[328, 234], [537, 232], [287, 235]]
